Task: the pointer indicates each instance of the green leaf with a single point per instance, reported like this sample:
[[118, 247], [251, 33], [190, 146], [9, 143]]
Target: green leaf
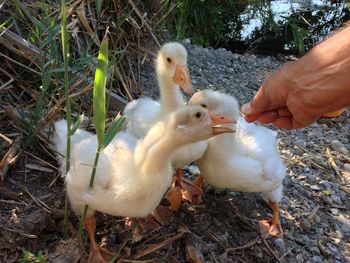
[[113, 129], [98, 4], [99, 98], [50, 37], [77, 124]]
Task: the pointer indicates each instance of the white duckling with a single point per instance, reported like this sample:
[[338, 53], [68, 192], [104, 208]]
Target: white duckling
[[172, 73], [141, 114], [132, 176], [247, 161]]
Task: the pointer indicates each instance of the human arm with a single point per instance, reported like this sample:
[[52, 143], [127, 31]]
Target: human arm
[[303, 90]]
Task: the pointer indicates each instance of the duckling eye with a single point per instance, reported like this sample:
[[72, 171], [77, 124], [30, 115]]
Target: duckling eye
[[204, 105], [168, 59], [198, 115]]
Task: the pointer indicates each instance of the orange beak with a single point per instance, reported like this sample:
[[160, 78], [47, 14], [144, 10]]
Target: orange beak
[[182, 78], [219, 120]]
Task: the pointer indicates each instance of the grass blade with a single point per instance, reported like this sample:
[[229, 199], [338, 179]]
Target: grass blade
[[99, 97], [113, 129], [99, 109], [64, 37], [77, 124]]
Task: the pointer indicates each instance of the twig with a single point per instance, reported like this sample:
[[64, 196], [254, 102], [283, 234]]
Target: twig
[[39, 202], [54, 180], [313, 212], [137, 11], [249, 244], [333, 164], [119, 75], [285, 254], [271, 252], [12, 202], [21, 233], [6, 138], [3, 87], [155, 247], [41, 160], [10, 157], [209, 234]]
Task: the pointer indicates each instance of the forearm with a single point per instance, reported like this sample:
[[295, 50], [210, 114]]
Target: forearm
[[321, 78]]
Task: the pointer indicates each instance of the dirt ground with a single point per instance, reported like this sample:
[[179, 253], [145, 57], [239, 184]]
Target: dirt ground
[[221, 229]]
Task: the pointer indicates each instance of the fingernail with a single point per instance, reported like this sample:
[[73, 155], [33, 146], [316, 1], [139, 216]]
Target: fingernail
[[246, 109]]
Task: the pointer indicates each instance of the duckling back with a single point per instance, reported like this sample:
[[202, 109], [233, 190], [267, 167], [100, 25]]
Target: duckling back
[[140, 115], [60, 141]]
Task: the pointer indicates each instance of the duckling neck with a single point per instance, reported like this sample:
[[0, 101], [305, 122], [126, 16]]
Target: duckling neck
[[155, 158], [224, 142], [170, 95]]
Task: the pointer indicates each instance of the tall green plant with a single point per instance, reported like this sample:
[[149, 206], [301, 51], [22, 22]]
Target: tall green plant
[[64, 36], [203, 21], [99, 111]]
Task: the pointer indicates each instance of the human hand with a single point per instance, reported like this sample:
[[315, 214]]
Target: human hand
[[302, 91], [273, 102]]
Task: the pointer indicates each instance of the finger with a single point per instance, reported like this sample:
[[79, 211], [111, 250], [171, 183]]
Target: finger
[[268, 117], [251, 118], [283, 123], [257, 105], [297, 125], [284, 112], [287, 123], [260, 102]]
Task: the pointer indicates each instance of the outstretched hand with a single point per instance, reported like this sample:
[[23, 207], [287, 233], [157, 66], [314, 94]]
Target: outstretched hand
[[302, 91]]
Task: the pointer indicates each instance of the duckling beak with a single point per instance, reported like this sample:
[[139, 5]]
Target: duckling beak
[[182, 78], [217, 121]]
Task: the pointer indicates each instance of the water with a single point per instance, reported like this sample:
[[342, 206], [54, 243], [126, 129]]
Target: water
[[282, 26]]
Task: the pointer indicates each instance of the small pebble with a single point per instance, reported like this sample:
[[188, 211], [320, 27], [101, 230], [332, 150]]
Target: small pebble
[[339, 147], [305, 225], [347, 167], [311, 178], [280, 245], [306, 239], [334, 211], [315, 250], [317, 259], [326, 184], [336, 199], [58, 203], [299, 258], [306, 169], [315, 187]]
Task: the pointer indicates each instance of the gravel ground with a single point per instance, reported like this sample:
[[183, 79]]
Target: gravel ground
[[315, 206]]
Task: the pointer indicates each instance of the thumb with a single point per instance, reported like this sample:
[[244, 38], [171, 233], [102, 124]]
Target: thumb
[[258, 105]]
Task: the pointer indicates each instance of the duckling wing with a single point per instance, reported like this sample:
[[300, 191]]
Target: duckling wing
[[141, 114], [260, 143], [112, 167]]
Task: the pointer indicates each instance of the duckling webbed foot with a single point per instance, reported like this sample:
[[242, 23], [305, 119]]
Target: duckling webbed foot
[[97, 254], [191, 191], [272, 226]]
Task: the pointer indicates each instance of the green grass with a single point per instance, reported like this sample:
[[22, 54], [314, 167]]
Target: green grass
[[29, 257]]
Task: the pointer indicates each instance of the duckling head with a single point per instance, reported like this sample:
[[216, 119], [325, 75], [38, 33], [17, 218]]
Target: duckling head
[[171, 63], [217, 102], [192, 123]]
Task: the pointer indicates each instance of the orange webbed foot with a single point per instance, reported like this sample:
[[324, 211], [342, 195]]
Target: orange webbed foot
[[97, 254], [268, 228], [191, 191], [100, 255], [272, 227]]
